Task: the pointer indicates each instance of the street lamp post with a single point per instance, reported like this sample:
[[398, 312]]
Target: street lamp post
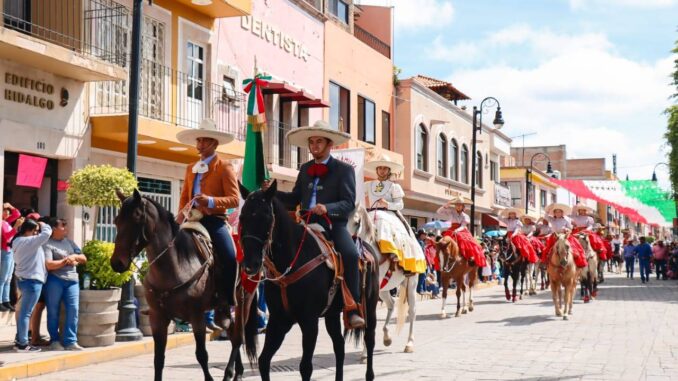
[[127, 327], [528, 177], [477, 128]]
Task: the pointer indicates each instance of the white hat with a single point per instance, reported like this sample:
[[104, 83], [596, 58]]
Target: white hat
[[385, 161], [504, 213], [461, 200], [565, 208], [299, 136], [526, 217], [207, 129], [581, 206]]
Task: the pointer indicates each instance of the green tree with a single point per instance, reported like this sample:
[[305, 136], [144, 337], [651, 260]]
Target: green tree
[[672, 127]]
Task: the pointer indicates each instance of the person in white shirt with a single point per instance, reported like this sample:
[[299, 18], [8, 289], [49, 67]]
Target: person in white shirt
[[453, 211], [560, 223], [583, 222], [530, 230], [511, 217], [384, 203]]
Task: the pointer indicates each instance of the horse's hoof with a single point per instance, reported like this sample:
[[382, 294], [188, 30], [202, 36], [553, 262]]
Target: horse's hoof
[[409, 348], [363, 359], [565, 317], [387, 342], [521, 296], [514, 299], [586, 299], [559, 314], [464, 311], [470, 308], [457, 314], [594, 294], [508, 295]]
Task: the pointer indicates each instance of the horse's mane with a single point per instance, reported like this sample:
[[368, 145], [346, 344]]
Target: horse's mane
[[164, 214], [182, 240], [562, 244]]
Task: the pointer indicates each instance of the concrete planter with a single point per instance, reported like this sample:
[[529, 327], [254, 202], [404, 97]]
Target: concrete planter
[[144, 321], [97, 317]]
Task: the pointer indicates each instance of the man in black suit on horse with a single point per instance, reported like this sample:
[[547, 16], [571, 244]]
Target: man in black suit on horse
[[325, 187]]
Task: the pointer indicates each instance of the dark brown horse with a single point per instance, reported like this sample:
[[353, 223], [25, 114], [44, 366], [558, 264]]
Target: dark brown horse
[[181, 283], [268, 233]]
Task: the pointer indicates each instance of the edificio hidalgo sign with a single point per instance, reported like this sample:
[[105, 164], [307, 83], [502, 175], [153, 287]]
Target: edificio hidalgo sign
[[40, 100], [274, 35]]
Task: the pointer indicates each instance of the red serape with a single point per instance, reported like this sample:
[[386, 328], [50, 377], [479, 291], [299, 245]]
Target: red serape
[[249, 285], [524, 246], [596, 241], [468, 246], [537, 244], [577, 250]]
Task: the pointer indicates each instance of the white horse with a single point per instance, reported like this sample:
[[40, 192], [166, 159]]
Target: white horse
[[361, 225], [531, 278]]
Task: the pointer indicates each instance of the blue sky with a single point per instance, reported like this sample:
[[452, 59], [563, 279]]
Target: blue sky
[[592, 74]]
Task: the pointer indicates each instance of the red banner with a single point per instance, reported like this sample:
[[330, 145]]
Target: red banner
[[31, 171]]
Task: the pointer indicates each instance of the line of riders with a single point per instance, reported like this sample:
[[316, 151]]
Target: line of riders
[[184, 279]]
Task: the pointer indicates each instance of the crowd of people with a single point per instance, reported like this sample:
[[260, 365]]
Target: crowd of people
[[659, 257], [38, 271]]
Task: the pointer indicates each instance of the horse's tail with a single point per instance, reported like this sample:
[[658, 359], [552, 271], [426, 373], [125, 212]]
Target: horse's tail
[[402, 306], [251, 330], [355, 336]]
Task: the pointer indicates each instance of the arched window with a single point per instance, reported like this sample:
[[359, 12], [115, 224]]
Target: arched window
[[454, 160], [464, 164], [441, 155], [479, 169], [422, 150]]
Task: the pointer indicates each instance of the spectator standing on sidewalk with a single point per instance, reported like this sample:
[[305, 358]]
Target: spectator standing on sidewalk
[[660, 252], [629, 258], [421, 281], [644, 252], [61, 258], [11, 222], [31, 274]]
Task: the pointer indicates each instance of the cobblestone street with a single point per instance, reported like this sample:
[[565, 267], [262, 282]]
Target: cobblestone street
[[628, 333]]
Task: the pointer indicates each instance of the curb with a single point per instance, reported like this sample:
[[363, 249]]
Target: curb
[[72, 360]]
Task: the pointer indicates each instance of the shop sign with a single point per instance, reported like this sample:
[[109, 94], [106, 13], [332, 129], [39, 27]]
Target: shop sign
[[29, 91], [502, 195], [275, 36]]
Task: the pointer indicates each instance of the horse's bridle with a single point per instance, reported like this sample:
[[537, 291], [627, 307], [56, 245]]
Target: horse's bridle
[[266, 248]]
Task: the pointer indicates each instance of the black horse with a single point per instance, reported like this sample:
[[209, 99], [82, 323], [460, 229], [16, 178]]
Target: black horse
[[268, 233], [181, 283], [513, 265]]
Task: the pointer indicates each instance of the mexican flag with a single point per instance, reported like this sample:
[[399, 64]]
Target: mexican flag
[[254, 170], [641, 200]]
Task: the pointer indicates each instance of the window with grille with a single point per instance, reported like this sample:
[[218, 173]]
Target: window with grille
[[195, 65]]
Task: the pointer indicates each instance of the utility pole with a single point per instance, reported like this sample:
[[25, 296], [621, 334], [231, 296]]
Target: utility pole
[[522, 160]]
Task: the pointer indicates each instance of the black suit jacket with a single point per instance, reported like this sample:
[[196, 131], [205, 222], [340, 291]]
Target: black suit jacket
[[336, 190]]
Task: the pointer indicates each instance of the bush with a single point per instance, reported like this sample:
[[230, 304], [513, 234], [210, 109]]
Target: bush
[[143, 270], [98, 265], [95, 185]]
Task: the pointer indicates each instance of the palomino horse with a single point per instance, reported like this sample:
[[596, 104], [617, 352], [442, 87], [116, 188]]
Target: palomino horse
[[563, 275], [454, 266], [514, 265], [589, 279], [302, 284], [180, 282], [361, 225]]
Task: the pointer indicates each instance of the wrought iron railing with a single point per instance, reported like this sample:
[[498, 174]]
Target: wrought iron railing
[[96, 28], [280, 152], [193, 100], [372, 41]]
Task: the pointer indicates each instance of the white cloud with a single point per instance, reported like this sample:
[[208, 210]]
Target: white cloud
[[581, 93], [462, 52], [413, 15], [651, 4]]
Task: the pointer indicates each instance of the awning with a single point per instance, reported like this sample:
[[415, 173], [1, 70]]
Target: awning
[[279, 88], [491, 220], [299, 96], [316, 103]]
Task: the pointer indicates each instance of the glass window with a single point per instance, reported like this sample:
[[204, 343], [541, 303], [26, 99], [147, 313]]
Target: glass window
[[516, 191], [464, 164], [494, 171], [554, 198], [454, 164], [421, 142], [366, 120], [542, 198], [479, 169], [228, 91], [195, 66], [531, 195], [339, 9], [385, 130], [441, 155], [339, 108]]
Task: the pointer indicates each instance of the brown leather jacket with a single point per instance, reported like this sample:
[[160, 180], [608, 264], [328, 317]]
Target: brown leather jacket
[[219, 183]]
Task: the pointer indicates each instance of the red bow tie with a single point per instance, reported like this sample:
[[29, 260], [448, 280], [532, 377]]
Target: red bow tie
[[317, 170]]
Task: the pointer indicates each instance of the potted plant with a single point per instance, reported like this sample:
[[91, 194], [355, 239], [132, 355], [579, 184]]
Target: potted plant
[[100, 295]]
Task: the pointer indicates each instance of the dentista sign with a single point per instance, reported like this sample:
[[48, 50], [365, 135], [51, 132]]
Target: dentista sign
[[29, 91], [275, 36]]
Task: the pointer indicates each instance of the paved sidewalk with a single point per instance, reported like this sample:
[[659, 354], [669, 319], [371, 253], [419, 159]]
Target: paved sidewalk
[[629, 333]]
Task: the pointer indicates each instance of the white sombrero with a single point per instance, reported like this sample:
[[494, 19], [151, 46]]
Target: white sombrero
[[299, 136], [461, 200], [581, 206], [528, 217], [504, 213], [385, 161], [207, 129], [565, 208]]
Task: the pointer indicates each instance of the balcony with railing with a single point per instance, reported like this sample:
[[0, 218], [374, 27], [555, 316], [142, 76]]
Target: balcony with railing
[[281, 153], [81, 39], [372, 41], [175, 98]]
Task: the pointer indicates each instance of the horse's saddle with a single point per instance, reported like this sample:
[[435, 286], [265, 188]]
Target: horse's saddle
[[326, 246], [200, 235]]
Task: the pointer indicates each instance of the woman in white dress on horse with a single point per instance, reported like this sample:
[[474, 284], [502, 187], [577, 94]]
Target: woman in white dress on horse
[[384, 203]]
